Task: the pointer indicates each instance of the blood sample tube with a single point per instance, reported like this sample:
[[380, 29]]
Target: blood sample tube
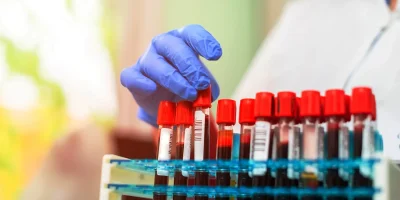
[[321, 139], [344, 143], [363, 143], [261, 141], [202, 107], [246, 120], [294, 147], [310, 112], [165, 121], [184, 122], [226, 118], [275, 129], [335, 113], [285, 111]]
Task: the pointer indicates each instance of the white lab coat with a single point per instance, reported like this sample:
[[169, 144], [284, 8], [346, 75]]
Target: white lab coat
[[317, 43]]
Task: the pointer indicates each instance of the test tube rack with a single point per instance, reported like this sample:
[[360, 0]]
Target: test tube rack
[[121, 176]]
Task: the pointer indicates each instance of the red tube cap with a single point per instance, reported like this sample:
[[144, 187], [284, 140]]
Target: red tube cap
[[166, 113], [203, 98], [226, 111], [373, 107], [285, 104], [246, 111], [335, 103], [264, 105], [361, 101], [310, 104], [184, 113]]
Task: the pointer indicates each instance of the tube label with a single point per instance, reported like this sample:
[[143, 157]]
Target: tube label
[[293, 150], [187, 143], [259, 146], [321, 148], [368, 140], [199, 123], [368, 146], [186, 148], [293, 144], [311, 140], [344, 152], [274, 149], [344, 143], [164, 149]]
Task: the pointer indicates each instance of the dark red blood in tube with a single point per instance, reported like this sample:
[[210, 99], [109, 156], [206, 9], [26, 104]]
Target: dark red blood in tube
[[361, 107], [336, 114], [246, 120], [201, 177], [203, 104], [184, 119], [224, 148], [286, 113], [165, 119], [179, 179]]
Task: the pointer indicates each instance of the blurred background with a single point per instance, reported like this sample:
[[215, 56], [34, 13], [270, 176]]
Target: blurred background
[[61, 104]]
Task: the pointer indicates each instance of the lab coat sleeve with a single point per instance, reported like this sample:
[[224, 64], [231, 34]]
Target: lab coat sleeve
[[313, 46], [381, 72]]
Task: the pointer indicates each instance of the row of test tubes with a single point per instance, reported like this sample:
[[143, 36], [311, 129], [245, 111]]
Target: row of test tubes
[[310, 127], [192, 121]]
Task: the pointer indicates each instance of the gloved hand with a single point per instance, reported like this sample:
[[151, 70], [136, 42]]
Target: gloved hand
[[170, 69]]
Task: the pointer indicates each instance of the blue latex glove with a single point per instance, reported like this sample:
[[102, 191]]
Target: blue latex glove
[[170, 70]]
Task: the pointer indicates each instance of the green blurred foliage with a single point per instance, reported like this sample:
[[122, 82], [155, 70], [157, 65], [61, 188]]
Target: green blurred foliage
[[25, 62], [51, 94], [50, 117], [68, 4], [109, 27]]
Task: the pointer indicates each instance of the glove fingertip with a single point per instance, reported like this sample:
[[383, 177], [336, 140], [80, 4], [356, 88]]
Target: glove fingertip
[[202, 83], [124, 76], [202, 41], [214, 53], [190, 94]]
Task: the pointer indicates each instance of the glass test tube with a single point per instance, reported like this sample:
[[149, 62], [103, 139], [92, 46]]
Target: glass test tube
[[202, 107], [246, 120], [321, 139], [285, 111], [344, 143], [261, 141], [226, 118], [310, 112], [184, 121], [294, 146], [275, 130], [363, 144], [166, 121], [335, 110]]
